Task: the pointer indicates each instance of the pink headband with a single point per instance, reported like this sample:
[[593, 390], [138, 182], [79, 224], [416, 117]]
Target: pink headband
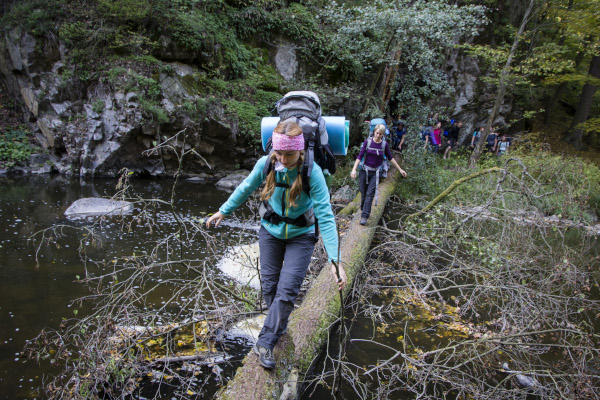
[[284, 142]]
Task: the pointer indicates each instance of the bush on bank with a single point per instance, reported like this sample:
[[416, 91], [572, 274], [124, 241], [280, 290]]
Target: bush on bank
[[568, 187]]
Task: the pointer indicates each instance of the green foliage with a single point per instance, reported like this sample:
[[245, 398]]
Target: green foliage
[[148, 86], [545, 62], [575, 184], [128, 41], [14, 146], [429, 175], [566, 187], [154, 111], [419, 29], [114, 74], [98, 106], [133, 11], [73, 32], [253, 21], [248, 118], [200, 31], [35, 16], [440, 226], [342, 173]]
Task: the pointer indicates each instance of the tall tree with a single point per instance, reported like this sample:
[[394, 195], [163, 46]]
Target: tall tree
[[575, 133], [501, 87], [560, 89], [579, 23]]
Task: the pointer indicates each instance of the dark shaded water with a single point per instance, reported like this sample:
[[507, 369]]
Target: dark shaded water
[[32, 299], [35, 298]]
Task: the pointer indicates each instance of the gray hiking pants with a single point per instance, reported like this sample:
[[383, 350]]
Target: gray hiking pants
[[367, 185], [283, 265]]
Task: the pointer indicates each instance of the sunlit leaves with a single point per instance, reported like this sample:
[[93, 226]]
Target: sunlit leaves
[[421, 29]]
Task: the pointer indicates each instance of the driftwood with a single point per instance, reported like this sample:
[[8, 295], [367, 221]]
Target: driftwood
[[451, 188], [309, 325]]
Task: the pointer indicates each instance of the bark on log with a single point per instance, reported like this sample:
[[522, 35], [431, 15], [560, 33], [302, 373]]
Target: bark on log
[[351, 207], [308, 329]]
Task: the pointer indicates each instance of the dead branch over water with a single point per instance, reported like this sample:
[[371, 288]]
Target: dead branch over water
[[152, 318]]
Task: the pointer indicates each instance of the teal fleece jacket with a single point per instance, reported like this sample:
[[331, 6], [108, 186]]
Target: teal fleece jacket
[[319, 200]]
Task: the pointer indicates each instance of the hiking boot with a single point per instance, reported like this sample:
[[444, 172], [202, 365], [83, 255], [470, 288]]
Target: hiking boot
[[265, 356], [363, 220]]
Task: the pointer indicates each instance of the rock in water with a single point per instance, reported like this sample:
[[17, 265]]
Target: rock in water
[[232, 181], [522, 380], [248, 328], [241, 264], [95, 206]]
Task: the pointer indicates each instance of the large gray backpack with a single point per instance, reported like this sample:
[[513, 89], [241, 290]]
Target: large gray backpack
[[304, 108]]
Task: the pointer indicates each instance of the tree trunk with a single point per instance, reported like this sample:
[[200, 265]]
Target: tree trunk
[[575, 133], [309, 324], [501, 89], [389, 77], [560, 90], [386, 74]]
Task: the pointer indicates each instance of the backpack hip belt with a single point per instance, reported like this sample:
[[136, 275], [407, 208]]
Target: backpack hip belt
[[266, 212]]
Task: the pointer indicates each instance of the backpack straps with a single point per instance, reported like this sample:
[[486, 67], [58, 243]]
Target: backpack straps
[[307, 167], [384, 145], [268, 165]]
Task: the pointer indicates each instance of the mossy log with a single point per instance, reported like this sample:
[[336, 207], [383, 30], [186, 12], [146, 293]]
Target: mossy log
[[309, 325], [351, 207]]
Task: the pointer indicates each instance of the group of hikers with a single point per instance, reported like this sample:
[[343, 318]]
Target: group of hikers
[[295, 201], [434, 133]]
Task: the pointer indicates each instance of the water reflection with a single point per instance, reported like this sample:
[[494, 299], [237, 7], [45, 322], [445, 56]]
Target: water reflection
[[32, 298]]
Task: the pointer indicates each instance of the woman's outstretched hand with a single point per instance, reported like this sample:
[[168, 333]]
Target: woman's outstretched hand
[[216, 217], [341, 280]]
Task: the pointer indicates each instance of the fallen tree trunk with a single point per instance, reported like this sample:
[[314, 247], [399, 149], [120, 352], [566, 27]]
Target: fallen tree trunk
[[308, 329], [451, 188]]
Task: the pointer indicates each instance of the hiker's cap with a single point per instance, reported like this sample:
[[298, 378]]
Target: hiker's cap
[[283, 142]]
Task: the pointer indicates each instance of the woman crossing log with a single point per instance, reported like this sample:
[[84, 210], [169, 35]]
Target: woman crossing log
[[287, 236]]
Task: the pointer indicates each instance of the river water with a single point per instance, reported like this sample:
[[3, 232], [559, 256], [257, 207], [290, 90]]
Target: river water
[[36, 297]]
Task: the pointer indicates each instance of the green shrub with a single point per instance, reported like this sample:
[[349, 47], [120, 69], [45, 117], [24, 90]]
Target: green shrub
[[36, 16], [115, 75], [154, 111], [14, 146], [73, 32], [248, 118], [555, 185], [135, 11], [200, 31], [98, 106]]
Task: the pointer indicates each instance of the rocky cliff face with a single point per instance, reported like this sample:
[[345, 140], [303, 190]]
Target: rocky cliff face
[[94, 128], [473, 99], [91, 129]]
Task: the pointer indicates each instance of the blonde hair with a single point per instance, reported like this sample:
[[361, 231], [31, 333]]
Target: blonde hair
[[379, 127], [290, 129]]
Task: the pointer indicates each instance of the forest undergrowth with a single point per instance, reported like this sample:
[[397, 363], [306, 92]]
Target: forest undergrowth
[[484, 305]]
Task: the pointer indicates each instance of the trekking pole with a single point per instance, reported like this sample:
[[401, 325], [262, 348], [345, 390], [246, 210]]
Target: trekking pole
[[334, 388]]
